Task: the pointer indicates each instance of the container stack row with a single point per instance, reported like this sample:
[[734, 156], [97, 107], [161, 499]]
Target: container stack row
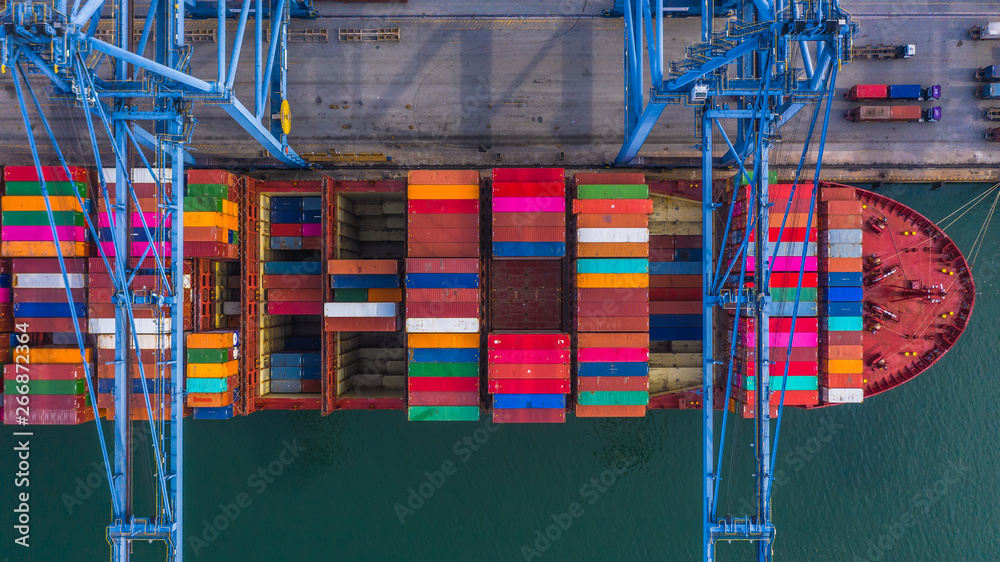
[[47, 387], [145, 228], [443, 315], [612, 280], [841, 352], [296, 223], [211, 215], [212, 373], [292, 312], [795, 353], [529, 377], [366, 296], [27, 231], [529, 213]]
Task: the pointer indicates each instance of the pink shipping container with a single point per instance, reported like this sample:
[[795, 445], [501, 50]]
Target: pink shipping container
[[37, 416], [437, 398], [312, 229], [529, 356], [529, 204], [44, 233], [529, 415], [295, 308], [5, 295], [612, 354], [528, 174], [780, 339], [785, 263]]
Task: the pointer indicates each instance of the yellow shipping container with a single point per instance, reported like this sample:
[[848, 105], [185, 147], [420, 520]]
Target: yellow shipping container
[[843, 366], [25, 249], [612, 280], [442, 191], [204, 219], [213, 370], [442, 340], [62, 355], [37, 203]]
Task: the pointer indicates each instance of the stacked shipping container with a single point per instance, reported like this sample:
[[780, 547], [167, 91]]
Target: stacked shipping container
[[366, 294], [211, 215], [443, 296], [27, 232], [212, 373], [612, 280], [296, 223], [529, 213], [48, 387], [529, 377], [842, 366]]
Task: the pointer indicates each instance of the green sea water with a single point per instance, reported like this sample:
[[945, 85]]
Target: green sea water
[[909, 475]]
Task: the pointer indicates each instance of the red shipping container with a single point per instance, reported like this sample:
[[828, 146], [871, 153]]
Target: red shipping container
[[149, 356], [360, 324], [522, 220], [96, 310], [842, 380], [661, 242], [148, 370], [47, 402], [312, 243], [443, 206], [612, 384], [798, 354], [777, 370], [522, 356], [844, 221], [47, 265], [617, 294], [792, 397], [49, 173], [52, 324], [582, 411], [831, 193], [442, 398], [286, 307], [442, 250], [687, 242], [609, 178], [279, 295], [311, 386], [606, 206], [37, 416], [791, 279], [843, 352], [661, 255], [674, 281], [529, 234], [528, 341], [362, 267], [635, 339], [278, 229], [803, 190], [292, 281], [467, 220], [210, 250], [802, 325], [790, 234], [506, 175], [442, 295], [842, 207], [442, 310], [675, 307], [529, 415], [443, 384], [842, 338], [48, 295], [442, 265], [529, 386], [612, 308], [529, 189], [48, 372], [613, 324], [528, 371], [868, 92], [803, 205]]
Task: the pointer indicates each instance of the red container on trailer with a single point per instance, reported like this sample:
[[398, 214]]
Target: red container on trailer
[[529, 386], [529, 415], [867, 92], [421, 398]]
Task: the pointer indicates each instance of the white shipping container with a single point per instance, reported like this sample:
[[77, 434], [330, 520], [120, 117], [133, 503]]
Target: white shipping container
[[442, 325], [48, 281], [146, 341], [844, 251], [844, 235], [142, 325], [842, 395], [231, 308], [612, 235], [359, 309]]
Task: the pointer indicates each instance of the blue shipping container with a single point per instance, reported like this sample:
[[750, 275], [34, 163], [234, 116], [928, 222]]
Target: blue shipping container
[[444, 355], [302, 343], [6, 280], [513, 401], [286, 217], [286, 386], [285, 204], [843, 279], [223, 413], [675, 334], [675, 268], [107, 386], [529, 249], [312, 203], [844, 309], [905, 92], [292, 268], [622, 369], [364, 281], [48, 310], [286, 242], [442, 280], [675, 320], [286, 373], [688, 254], [286, 359], [623, 265], [806, 308], [845, 294], [312, 216], [207, 385]]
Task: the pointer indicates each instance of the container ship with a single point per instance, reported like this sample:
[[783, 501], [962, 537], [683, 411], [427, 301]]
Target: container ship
[[521, 295]]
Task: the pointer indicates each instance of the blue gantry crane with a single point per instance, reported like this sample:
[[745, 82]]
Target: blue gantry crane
[[772, 58], [143, 103]]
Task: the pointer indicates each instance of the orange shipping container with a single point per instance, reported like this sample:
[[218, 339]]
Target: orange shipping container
[[612, 250], [842, 380], [213, 370], [37, 203], [842, 207], [417, 191], [849, 265], [211, 340], [24, 249], [43, 355], [205, 234], [362, 267], [843, 366], [635, 339], [206, 400], [385, 295], [424, 341], [443, 177], [610, 411], [844, 221], [845, 352], [612, 280], [612, 221]]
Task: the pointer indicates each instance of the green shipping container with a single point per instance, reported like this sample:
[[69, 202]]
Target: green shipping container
[[443, 370], [207, 385], [350, 295], [41, 386], [55, 188], [614, 398], [41, 218], [627, 265], [195, 355], [219, 190], [443, 413], [787, 294], [844, 323], [202, 205], [792, 383], [640, 191]]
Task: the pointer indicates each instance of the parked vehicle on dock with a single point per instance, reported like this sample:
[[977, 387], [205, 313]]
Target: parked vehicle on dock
[[993, 114], [988, 31], [897, 113], [988, 73], [874, 92], [883, 52], [989, 91], [993, 135]]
